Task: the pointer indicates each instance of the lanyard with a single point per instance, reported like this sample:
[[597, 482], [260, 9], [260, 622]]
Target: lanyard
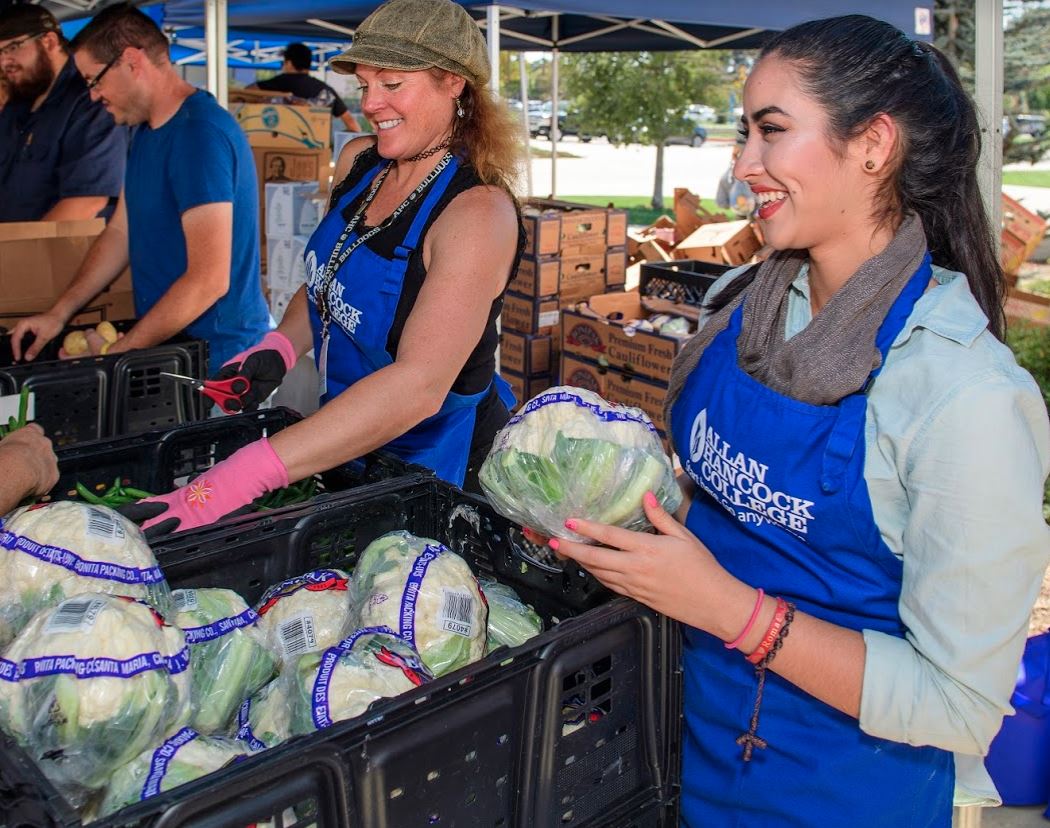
[[339, 255]]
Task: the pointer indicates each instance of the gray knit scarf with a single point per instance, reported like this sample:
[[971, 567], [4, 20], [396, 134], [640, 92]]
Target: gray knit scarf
[[833, 356]]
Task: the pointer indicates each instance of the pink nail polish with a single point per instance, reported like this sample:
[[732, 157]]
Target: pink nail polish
[[570, 525], [650, 499], [553, 544]]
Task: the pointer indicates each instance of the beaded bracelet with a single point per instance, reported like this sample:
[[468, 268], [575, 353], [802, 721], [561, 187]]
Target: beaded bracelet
[[751, 740], [732, 645]]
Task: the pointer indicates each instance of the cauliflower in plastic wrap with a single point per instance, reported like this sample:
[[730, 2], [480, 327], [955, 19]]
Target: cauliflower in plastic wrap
[[89, 684], [263, 720], [58, 550], [511, 621], [571, 454], [340, 683], [229, 658], [304, 614], [183, 757], [426, 594]]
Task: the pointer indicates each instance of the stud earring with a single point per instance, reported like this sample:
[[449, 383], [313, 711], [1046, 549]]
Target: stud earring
[[459, 109], [869, 164]]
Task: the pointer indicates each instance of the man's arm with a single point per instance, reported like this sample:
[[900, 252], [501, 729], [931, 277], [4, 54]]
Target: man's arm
[[208, 229], [106, 259], [76, 208], [351, 122], [28, 466]]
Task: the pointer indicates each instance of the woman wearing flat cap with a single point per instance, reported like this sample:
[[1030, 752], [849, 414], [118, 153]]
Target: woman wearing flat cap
[[405, 276]]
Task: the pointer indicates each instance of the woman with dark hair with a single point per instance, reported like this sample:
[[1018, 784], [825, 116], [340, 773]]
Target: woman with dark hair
[[863, 537], [405, 276]]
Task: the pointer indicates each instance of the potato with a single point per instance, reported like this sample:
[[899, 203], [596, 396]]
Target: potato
[[107, 331], [75, 343]]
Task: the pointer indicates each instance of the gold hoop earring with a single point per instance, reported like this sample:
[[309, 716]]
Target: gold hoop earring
[[869, 164], [459, 109]]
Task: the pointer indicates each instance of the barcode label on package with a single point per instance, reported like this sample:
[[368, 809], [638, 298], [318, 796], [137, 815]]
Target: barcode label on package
[[457, 612], [75, 615], [104, 526], [297, 636], [185, 599]]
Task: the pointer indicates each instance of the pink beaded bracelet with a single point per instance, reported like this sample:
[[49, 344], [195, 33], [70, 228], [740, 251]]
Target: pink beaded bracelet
[[750, 622]]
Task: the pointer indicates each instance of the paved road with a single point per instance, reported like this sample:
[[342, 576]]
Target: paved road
[[600, 168]]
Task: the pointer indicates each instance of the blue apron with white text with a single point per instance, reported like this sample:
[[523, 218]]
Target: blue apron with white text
[[782, 503], [363, 297]]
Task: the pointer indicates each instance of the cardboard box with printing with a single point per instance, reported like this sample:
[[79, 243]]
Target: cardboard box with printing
[[38, 260], [723, 242], [572, 276], [525, 388], [293, 209], [525, 354], [285, 265], [617, 387], [527, 315], [285, 125]]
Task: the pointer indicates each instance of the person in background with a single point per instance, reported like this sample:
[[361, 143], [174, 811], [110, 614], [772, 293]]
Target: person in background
[[61, 154], [28, 466], [403, 291], [187, 222], [732, 192], [295, 77], [863, 539], [5, 92]]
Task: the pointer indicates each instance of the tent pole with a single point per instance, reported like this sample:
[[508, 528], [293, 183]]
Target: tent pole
[[555, 132], [215, 36], [492, 22], [524, 80], [988, 70]]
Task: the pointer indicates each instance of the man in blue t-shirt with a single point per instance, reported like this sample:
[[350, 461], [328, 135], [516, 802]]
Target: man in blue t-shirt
[[187, 221], [61, 155]]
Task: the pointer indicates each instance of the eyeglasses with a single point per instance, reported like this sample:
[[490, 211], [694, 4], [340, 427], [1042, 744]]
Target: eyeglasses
[[95, 81], [15, 45]]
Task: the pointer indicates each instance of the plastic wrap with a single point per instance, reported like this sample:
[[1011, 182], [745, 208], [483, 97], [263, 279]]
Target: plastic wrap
[[424, 593], [185, 756], [89, 684], [263, 721], [341, 682], [229, 658], [511, 621], [58, 550], [571, 454], [305, 614]]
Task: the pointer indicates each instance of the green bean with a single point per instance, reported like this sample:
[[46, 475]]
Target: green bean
[[89, 495], [137, 494], [23, 405]]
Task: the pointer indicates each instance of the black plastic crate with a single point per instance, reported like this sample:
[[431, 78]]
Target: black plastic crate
[[160, 461], [95, 397], [684, 281], [578, 727]]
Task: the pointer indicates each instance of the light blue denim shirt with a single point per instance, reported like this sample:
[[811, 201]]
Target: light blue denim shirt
[[957, 449]]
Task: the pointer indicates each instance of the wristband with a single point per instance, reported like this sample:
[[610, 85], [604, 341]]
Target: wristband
[[762, 650], [732, 645]]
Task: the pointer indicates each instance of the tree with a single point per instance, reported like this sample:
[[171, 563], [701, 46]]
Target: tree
[[640, 97]]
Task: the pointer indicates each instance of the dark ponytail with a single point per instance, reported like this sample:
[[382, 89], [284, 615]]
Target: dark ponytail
[[857, 67]]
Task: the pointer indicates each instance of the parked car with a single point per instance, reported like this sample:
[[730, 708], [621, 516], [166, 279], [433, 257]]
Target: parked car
[[567, 124], [695, 139]]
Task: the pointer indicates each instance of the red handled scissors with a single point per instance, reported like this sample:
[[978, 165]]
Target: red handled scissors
[[225, 393]]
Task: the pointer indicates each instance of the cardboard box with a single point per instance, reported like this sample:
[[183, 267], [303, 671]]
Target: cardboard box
[[588, 332], [526, 354], [1027, 307], [284, 125], [293, 209], [38, 260], [1012, 254], [617, 387], [527, 315], [283, 165], [724, 242], [525, 388], [573, 278], [551, 225], [1022, 224], [285, 265], [110, 305]]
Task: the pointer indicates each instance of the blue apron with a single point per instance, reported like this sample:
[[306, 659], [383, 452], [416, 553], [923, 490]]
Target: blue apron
[[363, 298], [782, 503]]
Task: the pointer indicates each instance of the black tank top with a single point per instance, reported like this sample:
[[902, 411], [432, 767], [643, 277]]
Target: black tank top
[[480, 366]]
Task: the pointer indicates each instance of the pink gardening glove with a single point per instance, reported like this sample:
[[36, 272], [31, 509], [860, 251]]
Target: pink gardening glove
[[228, 486], [263, 365]]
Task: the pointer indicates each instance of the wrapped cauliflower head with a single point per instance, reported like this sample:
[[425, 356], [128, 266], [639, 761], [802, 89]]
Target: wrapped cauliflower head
[[305, 614], [58, 550], [424, 593], [340, 683], [88, 685], [263, 720], [511, 621], [183, 757], [571, 454], [229, 659]]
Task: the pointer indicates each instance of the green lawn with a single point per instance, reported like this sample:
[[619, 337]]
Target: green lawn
[[1027, 178], [638, 208]]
